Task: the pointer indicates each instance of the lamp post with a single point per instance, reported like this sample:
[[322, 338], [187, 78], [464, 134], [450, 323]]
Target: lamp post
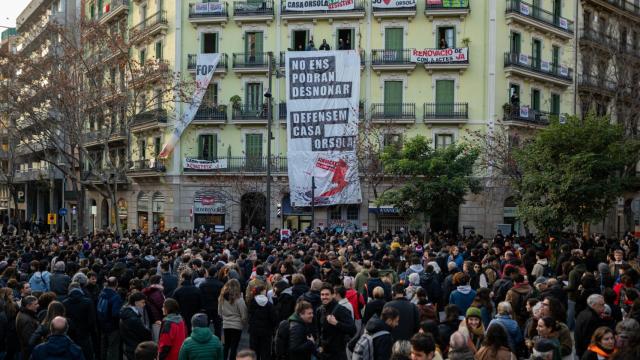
[[313, 203], [269, 97], [94, 212]]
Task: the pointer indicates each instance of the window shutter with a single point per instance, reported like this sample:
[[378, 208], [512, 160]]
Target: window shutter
[[444, 97]]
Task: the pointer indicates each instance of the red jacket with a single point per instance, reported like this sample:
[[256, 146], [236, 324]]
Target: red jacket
[[357, 301], [172, 335]]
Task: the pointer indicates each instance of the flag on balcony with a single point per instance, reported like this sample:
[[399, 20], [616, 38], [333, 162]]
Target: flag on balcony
[[205, 67], [323, 91]]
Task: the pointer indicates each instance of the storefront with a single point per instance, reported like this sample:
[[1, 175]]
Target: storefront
[[388, 218], [122, 213], [143, 212], [158, 211], [209, 210], [295, 218]]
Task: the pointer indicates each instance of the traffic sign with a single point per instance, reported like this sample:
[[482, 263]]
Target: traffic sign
[[74, 210], [62, 212], [51, 219]]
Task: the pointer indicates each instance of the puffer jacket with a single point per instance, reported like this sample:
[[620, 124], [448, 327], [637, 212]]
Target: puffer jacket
[[300, 348], [201, 345]]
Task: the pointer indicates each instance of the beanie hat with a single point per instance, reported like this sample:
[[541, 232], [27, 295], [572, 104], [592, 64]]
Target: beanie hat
[[474, 312], [199, 320]]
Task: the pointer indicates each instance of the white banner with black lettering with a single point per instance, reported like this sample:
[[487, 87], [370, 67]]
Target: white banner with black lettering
[[205, 67], [323, 92], [319, 5], [393, 4]]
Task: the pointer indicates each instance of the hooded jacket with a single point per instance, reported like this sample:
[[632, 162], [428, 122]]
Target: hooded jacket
[[284, 305], [333, 338], [262, 317], [201, 345], [383, 344], [462, 297], [57, 347], [300, 348], [172, 335], [312, 297], [155, 300], [513, 330], [81, 313], [132, 330], [538, 268]]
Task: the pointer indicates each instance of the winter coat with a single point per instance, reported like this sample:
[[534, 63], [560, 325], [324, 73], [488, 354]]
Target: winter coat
[[300, 348], [517, 296], [284, 305], [373, 307], [210, 289], [574, 281], [201, 345], [169, 283], [312, 297], [357, 303], [111, 323], [39, 336], [298, 290], [486, 353], [57, 347], [59, 284], [409, 318], [333, 338], [132, 330], [234, 316], [190, 299], [361, 280], [375, 282], [462, 297], [383, 344], [460, 354], [172, 334], [40, 281], [595, 352], [538, 268], [513, 330], [587, 322], [82, 318], [262, 317], [155, 301], [26, 324], [4, 331]]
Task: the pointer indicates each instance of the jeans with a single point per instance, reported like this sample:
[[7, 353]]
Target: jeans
[[110, 345], [571, 315], [231, 342], [261, 344]]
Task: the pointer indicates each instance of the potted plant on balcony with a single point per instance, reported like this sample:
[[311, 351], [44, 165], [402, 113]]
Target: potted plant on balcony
[[466, 41], [235, 102]]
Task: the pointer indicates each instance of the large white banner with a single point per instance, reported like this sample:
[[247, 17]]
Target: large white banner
[[393, 4], [196, 164], [319, 5], [208, 8], [440, 56], [205, 67], [323, 91]]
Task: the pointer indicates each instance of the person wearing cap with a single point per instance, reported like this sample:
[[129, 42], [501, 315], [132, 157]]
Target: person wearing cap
[[132, 329], [202, 344], [82, 319], [472, 328]]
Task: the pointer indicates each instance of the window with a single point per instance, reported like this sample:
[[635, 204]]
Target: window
[[393, 38], [392, 98], [536, 53], [210, 99], [143, 55], [157, 94], [516, 39], [555, 58], [253, 96], [253, 145], [353, 212], [392, 140], [92, 11], [253, 47], [335, 213], [143, 149], [623, 35], [99, 7], [443, 140], [587, 18], [445, 97], [557, 10], [143, 102], [535, 99], [157, 145], [112, 76], [345, 39], [555, 104], [209, 43], [207, 147], [446, 37], [159, 50], [143, 13]]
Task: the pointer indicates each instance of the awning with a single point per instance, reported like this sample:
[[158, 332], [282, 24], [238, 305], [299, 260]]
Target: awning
[[383, 209], [287, 209]]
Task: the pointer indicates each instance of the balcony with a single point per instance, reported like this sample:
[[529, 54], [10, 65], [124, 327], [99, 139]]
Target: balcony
[[252, 11], [209, 115], [404, 113], [146, 168], [392, 60], [394, 10], [250, 63], [596, 85], [447, 8], [628, 8], [282, 60], [238, 164], [540, 19], [442, 59], [148, 120], [149, 27], [114, 10], [249, 114], [97, 137], [208, 13], [533, 68], [524, 116], [356, 13], [35, 174], [153, 71], [456, 113], [593, 38], [192, 60]]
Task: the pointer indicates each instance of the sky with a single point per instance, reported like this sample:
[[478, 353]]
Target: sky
[[9, 11]]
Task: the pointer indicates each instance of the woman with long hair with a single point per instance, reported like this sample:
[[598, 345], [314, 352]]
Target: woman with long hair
[[10, 309], [41, 334], [233, 310], [495, 345], [173, 331], [602, 345], [548, 328]]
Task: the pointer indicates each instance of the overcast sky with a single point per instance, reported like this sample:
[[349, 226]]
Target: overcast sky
[[9, 11]]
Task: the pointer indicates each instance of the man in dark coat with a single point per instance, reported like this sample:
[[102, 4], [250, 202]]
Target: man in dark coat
[[301, 342], [335, 325], [82, 318], [375, 281], [59, 281], [189, 297], [169, 280], [409, 314], [383, 343], [132, 329], [588, 321], [27, 323], [210, 289], [58, 345]]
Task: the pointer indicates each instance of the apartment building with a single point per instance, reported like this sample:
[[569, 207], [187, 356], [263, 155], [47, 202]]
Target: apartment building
[[516, 72]]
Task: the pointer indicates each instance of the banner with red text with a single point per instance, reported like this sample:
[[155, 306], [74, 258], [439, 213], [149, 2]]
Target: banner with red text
[[440, 56], [319, 5]]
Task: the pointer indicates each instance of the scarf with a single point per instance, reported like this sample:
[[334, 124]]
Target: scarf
[[600, 351]]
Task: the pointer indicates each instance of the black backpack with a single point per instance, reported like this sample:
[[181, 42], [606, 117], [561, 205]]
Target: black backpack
[[547, 271], [281, 346]]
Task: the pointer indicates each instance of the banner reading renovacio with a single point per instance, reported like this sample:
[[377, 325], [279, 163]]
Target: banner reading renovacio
[[319, 5], [323, 91], [393, 4], [205, 67], [440, 56]]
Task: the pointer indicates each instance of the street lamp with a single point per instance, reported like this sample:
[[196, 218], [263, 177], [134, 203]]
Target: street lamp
[[94, 212]]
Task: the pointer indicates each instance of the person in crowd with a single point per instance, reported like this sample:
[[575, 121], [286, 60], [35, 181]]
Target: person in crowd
[[312, 296], [463, 295], [409, 314], [211, 288], [188, 296], [132, 328], [375, 306], [147, 350], [172, 331], [59, 281], [58, 344], [503, 318], [262, 322], [401, 350], [81, 313], [588, 321], [459, 347], [108, 313], [54, 309], [602, 345], [301, 344], [422, 347], [40, 280], [202, 343], [472, 329], [517, 296], [380, 330], [324, 45], [247, 354], [335, 326], [26, 324], [495, 345], [233, 310], [155, 300], [355, 299]]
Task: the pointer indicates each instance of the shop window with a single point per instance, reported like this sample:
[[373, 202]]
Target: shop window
[[353, 212]]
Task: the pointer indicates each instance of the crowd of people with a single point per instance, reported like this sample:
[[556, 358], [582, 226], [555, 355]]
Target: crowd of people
[[318, 295]]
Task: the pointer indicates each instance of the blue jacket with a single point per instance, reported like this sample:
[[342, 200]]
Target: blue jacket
[[109, 321], [513, 330], [40, 281], [57, 347], [458, 259], [462, 297]]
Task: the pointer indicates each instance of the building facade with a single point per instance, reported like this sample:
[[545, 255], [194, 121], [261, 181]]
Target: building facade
[[517, 72]]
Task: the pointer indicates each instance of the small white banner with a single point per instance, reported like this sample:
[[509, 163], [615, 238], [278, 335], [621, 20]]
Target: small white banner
[[440, 56], [564, 71], [392, 4], [196, 164], [525, 9], [563, 23], [524, 112], [319, 5], [545, 66], [208, 8], [523, 59]]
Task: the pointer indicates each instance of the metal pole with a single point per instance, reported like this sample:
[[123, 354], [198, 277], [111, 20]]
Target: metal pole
[[313, 203], [269, 123], [62, 204]]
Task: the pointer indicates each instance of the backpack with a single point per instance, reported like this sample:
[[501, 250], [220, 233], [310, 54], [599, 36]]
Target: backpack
[[502, 287], [281, 346], [520, 306], [364, 347], [547, 271], [103, 309]]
